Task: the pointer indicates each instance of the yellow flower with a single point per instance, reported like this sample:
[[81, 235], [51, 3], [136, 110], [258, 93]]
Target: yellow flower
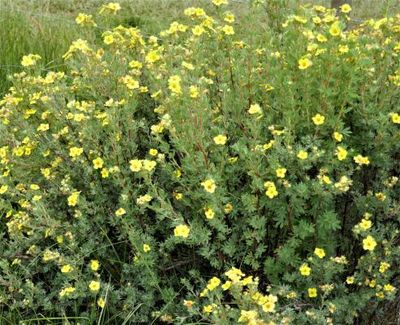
[[234, 274], [101, 302], [383, 267], [73, 199], [302, 155], [335, 29], [341, 153], [346, 8], [75, 152], [380, 196], [194, 91], [120, 212], [94, 265], [350, 280], [220, 139], [305, 63], [43, 127], [226, 285], [220, 2], [209, 185], [66, 268], [360, 160], [152, 57], [209, 213], [229, 17], [318, 119], [66, 291], [305, 270], [143, 199], [85, 20], [98, 163], [369, 243], [255, 109], [312, 292], [3, 189], [271, 191], [228, 208], [198, 30], [104, 173], [182, 231], [269, 304], [320, 252], [248, 316], [281, 172], [146, 248], [365, 224], [337, 136], [30, 59], [389, 288], [153, 152], [208, 308], [111, 7], [228, 30], [135, 165], [213, 283], [326, 179], [174, 84], [108, 39], [343, 49], [395, 118], [94, 286], [149, 165]]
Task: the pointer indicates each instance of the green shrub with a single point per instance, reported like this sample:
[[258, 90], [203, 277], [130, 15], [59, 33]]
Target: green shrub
[[155, 165]]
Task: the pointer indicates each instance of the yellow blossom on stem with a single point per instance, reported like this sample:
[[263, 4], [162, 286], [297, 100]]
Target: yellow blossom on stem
[[318, 119], [312, 292], [146, 248], [209, 185], [305, 270], [220, 139], [304, 63], [182, 231], [320, 252], [94, 286], [369, 243]]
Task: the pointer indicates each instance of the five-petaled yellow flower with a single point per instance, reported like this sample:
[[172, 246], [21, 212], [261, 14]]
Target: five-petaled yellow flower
[[146, 248], [182, 231], [305, 270], [361, 160], [98, 163], [94, 265], [209, 185], [318, 119], [304, 63], [369, 243], [94, 286], [281, 172], [302, 155], [320, 252], [346, 8], [312, 292], [120, 212], [255, 109], [220, 139]]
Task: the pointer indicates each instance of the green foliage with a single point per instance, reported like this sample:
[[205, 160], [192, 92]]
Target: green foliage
[[151, 165]]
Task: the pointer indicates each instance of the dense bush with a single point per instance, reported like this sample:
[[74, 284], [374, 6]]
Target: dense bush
[[220, 172]]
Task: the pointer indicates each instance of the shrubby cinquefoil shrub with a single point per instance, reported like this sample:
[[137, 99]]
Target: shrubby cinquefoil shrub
[[214, 173]]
